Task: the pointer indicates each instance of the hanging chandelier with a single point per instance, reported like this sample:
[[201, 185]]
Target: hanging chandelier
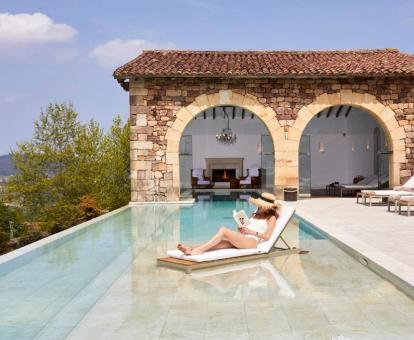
[[226, 136]]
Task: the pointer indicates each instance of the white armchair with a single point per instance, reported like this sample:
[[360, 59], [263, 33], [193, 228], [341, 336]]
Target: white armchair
[[253, 178], [198, 179]]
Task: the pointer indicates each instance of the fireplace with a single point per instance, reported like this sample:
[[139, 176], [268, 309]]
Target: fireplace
[[234, 164], [223, 175]]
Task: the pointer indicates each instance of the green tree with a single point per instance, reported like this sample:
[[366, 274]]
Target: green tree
[[69, 171], [41, 181], [115, 182]]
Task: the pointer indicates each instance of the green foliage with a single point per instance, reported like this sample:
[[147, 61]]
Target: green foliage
[[115, 183], [65, 162], [8, 215]]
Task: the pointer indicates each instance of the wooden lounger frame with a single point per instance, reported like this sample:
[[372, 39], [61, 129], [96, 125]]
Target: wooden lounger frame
[[364, 196], [398, 203], [189, 266]]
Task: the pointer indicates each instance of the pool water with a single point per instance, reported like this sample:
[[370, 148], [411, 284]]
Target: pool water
[[102, 282]]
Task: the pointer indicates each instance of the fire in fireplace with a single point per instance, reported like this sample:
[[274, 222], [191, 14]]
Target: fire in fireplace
[[223, 175]]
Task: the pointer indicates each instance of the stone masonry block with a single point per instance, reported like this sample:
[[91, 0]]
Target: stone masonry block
[[141, 120], [203, 102], [305, 114], [399, 156], [268, 114], [140, 165], [398, 133], [300, 124], [173, 135], [184, 115], [194, 108], [334, 98], [225, 97], [272, 124], [141, 145], [371, 104], [237, 99], [173, 93], [214, 99], [294, 134], [278, 135], [321, 103], [172, 146], [134, 83], [391, 124], [346, 97], [357, 98], [179, 125], [386, 114], [172, 158], [398, 145], [138, 91]]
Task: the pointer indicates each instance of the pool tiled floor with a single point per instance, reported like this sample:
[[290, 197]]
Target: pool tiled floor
[[321, 295]]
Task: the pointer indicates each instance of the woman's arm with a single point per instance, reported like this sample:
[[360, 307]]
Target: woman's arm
[[271, 223]]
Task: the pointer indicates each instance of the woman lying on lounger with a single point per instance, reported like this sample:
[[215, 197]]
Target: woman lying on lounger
[[263, 222]]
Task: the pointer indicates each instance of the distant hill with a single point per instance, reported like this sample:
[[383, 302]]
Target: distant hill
[[6, 166]]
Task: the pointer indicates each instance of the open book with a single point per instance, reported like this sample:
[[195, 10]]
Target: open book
[[241, 218]]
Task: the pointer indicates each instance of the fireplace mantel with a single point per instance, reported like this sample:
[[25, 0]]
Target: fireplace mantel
[[224, 163]]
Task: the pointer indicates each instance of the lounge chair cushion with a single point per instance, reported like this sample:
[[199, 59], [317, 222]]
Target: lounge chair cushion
[[214, 254], [409, 183], [409, 199], [263, 247], [369, 180], [203, 182], [198, 173], [248, 180], [387, 193], [359, 186], [253, 172]]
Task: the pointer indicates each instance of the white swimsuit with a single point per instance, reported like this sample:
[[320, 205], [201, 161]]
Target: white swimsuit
[[257, 225]]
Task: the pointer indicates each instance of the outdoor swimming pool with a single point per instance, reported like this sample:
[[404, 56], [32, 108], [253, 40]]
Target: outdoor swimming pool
[[102, 282]]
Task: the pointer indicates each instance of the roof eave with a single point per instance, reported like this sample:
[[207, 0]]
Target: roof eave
[[270, 76]]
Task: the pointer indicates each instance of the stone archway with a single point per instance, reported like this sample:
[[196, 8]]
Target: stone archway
[[201, 103], [384, 115]]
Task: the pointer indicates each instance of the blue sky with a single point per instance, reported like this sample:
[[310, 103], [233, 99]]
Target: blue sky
[[66, 50]]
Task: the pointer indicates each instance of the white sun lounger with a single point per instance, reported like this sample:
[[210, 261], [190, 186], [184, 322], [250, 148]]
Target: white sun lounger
[[176, 259], [371, 182], [406, 190]]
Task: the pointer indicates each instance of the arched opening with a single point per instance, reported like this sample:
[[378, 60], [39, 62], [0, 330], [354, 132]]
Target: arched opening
[[208, 162], [343, 144]]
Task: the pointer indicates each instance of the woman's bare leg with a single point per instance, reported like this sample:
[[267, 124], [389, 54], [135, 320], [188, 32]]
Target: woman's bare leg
[[236, 239], [221, 245]]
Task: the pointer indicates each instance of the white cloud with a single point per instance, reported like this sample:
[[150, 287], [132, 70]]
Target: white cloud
[[27, 29], [117, 52]]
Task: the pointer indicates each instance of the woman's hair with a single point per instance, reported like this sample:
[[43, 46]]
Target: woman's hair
[[263, 213]]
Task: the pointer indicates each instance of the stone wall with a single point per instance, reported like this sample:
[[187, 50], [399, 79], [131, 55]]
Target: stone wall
[[155, 103]]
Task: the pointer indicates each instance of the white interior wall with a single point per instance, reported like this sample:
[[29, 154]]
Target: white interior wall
[[204, 144], [339, 162]]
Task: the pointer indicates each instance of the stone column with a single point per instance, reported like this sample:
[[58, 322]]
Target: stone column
[[142, 149]]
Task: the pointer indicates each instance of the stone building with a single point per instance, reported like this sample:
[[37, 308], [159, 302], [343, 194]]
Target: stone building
[[285, 89]]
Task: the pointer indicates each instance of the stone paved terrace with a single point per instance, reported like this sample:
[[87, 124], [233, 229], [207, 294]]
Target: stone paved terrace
[[384, 238]]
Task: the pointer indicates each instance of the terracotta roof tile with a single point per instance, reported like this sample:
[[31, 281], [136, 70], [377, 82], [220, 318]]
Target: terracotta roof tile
[[352, 63]]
